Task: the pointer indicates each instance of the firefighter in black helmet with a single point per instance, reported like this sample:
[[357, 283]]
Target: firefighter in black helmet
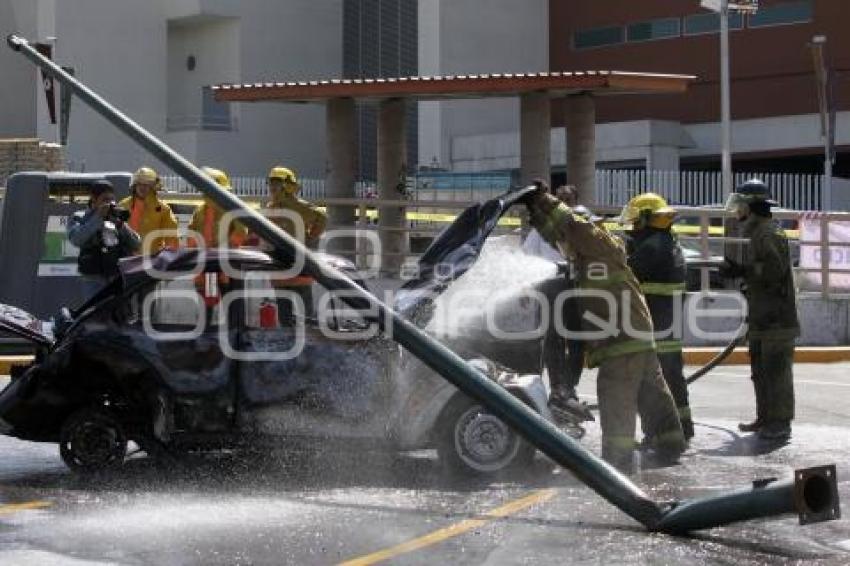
[[772, 309]]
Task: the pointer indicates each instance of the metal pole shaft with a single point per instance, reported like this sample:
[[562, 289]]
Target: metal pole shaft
[[776, 498], [725, 104]]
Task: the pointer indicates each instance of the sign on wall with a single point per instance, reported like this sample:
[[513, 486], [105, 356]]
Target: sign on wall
[[811, 255]]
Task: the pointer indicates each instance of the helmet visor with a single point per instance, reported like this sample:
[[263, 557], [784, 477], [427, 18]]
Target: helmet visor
[[736, 201]]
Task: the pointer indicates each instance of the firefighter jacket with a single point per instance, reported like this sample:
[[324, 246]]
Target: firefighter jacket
[[206, 220], [313, 219], [149, 214], [656, 259], [616, 319], [771, 297]]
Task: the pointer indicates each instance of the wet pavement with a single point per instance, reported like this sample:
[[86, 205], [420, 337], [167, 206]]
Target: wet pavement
[[366, 507]]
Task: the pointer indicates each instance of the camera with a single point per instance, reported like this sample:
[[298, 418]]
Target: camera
[[118, 213]]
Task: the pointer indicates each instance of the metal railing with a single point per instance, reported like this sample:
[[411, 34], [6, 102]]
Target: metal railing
[[695, 188], [703, 226], [614, 187]]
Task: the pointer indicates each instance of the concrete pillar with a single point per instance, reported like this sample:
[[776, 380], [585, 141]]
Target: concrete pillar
[[580, 122], [534, 137], [341, 139], [392, 168]]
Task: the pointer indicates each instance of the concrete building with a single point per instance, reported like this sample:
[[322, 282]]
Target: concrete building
[[776, 122], [155, 60], [459, 38]]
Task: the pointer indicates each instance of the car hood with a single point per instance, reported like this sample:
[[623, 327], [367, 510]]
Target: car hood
[[23, 324]]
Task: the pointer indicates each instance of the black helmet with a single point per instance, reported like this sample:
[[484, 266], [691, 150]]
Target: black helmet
[[751, 191]]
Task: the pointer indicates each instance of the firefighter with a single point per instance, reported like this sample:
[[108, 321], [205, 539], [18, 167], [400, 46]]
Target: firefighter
[[656, 259], [564, 371], [283, 189], [148, 213], [207, 218], [624, 353], [772, 309]]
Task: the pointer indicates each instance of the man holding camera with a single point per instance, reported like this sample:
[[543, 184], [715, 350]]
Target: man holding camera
[[103, 236]]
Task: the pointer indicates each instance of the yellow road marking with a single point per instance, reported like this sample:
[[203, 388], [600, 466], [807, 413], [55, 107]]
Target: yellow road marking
[[15, 507], [452, 530]]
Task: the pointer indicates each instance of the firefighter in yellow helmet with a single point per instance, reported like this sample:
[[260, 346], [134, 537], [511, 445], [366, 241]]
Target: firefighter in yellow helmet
[[148, 214], [207, 218], [619, 334], [655, 257], [283, 189]]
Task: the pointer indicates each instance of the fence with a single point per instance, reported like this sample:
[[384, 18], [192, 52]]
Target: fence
[[702, 188], [613, 187]]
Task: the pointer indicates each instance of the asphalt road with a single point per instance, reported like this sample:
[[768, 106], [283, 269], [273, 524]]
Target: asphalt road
[[367, 507]]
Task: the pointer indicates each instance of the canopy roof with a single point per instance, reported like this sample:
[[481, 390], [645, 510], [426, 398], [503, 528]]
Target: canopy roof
[[600, 83]]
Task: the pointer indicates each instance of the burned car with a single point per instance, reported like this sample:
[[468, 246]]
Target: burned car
[[193, 350]]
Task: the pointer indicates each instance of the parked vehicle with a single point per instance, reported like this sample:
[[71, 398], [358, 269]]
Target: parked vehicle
[[178, 362]]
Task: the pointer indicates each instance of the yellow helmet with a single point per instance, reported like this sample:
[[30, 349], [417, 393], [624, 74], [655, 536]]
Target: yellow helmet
[[146, 175], [217, 175], [649, 206], [284, 174]]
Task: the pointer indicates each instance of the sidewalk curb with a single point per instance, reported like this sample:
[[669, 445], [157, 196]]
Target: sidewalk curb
[[692, 356], [6, 363], [741, 356]]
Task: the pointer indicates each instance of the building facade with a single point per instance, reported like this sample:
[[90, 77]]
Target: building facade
[[775, 112], [155, 62]]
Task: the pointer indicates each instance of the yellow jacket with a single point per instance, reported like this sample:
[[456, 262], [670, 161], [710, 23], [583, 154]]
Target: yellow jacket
[[314, 219], [206, 221], [148, 215]]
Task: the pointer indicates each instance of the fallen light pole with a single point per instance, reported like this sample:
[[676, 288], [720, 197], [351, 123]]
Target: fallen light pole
[[812, 493]]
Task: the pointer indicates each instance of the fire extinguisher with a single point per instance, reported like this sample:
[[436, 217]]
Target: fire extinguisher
[[268, 314], [211, 292]]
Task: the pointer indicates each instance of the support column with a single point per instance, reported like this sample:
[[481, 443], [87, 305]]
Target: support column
[[392, 168], [341, 139], [534, 137], [580, 122]]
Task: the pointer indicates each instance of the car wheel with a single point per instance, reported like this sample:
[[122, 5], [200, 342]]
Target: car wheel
[[92, 441], [474, 441]]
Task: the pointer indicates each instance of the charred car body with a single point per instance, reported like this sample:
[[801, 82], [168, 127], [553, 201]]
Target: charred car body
[[158, 359]]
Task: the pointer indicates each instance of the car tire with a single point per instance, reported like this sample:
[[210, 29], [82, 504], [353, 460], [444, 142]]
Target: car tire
[[472, 441], [91, 441]]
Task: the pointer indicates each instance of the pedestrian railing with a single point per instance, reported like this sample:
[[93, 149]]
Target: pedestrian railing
[[820, 242], [614, 187], [697, 188]]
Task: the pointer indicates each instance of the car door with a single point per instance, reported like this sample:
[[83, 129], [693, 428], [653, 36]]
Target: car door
[[310, 366], [185, 331]]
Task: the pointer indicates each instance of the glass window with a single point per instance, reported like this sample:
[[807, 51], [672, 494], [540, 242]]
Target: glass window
[[697, 24], [215, 115], [779, 14], [598, 37], [654, 29]]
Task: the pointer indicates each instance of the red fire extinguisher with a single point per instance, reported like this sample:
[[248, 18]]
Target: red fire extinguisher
[[268, 314]]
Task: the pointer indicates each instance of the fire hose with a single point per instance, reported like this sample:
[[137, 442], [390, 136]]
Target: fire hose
[[722, 355]]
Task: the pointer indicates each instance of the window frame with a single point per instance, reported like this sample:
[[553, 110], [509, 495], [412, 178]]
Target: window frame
[[732, 27], [678, 33], [575, 34], [811, 17]]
